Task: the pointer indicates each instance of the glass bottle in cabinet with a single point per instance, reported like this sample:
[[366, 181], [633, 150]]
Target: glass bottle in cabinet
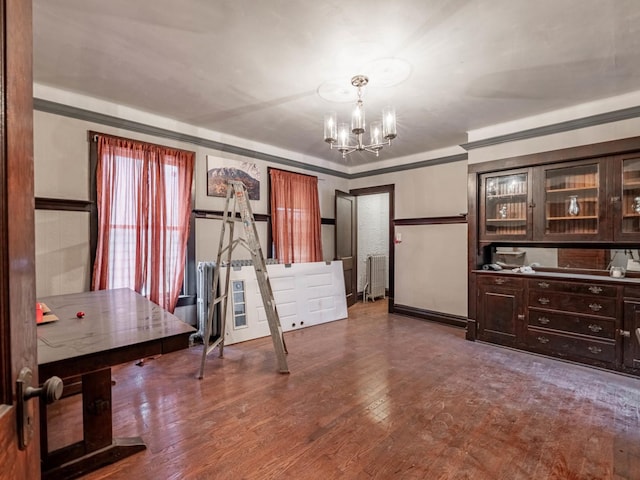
[[631, 196], [572, 201], [505, 205]]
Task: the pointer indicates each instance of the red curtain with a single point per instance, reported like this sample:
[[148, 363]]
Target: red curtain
[[144, 205], [295, 217]]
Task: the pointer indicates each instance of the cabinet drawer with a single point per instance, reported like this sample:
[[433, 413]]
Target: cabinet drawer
[[604, 307], [572, 348], [596, 289], [632, 291], [594, 327], [500, 281]]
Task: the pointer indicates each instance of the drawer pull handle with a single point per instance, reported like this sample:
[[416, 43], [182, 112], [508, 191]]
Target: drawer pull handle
[[543, 300], [543, 284], [596, 307], [499, 281], [594, 289], [595, 328], [593, 349], [520, 317], [543, 320], [625, 333], [543, 339]]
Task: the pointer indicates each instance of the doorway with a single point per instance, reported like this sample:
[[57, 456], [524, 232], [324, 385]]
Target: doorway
[[375, 227]]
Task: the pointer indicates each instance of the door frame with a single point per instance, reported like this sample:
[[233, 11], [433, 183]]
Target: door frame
[[18, 348], [390, 189], [350, 262]]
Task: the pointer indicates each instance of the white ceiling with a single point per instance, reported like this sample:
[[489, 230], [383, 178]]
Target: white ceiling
[[252, 68]]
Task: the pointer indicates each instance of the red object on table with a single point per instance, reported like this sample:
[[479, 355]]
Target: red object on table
[[80, 314], [39, 312]]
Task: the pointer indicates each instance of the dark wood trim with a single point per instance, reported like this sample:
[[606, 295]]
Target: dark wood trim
[[93, 139], [462, 218], [390, 189], [473, 259], [217, 214], [63, 204], [613, 147], [6, 387], [270, 248], [373, 190], [93, 194], [446, 318], [327, 221], [289, 171]]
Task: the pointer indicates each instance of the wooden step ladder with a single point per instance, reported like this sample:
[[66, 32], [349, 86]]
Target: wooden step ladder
[[241, 211]]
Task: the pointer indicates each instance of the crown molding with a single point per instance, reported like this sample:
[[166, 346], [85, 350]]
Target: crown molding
[[584, 122], [55, 108]]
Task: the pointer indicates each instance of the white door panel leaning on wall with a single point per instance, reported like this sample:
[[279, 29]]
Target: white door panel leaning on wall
[[306, 294]]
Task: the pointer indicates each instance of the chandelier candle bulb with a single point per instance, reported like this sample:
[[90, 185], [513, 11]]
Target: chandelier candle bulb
[[330, 127], [389, 131], [376, 134], [357, 118], [343, 136]]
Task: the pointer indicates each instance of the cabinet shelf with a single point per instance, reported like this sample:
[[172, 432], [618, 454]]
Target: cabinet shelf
[[506, 195], [584, 217], [574, 189], [505, 220]]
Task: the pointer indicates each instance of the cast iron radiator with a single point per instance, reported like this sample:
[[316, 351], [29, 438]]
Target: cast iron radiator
[[376, 277]]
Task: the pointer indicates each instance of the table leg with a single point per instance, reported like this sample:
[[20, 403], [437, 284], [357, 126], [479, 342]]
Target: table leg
[[98, 447]]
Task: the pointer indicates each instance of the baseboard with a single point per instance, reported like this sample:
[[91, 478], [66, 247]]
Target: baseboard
[[447, 318]]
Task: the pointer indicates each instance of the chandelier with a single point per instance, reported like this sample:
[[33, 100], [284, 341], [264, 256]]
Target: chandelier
[[338, 135]]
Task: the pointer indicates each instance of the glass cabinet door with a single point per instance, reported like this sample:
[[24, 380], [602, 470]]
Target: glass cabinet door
[[631, 195], [505, 204], [572, 203]]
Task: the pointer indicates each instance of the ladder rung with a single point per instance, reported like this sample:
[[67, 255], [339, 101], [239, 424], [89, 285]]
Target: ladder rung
[[220, 298], [212, 346]]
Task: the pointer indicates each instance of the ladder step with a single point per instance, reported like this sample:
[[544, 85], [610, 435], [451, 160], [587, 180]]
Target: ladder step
[[220, 298]]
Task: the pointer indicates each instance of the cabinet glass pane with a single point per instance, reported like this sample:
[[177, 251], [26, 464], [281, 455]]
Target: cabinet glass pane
[[571, 200], [506, 205], [631, 196]]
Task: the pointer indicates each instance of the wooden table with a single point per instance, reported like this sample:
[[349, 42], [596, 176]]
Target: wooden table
[[119, 326]]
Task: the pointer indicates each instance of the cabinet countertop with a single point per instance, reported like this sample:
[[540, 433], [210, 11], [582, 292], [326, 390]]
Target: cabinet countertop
[[563, 276]]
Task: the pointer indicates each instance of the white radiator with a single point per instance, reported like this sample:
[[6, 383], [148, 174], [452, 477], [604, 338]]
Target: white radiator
[[376, 277]]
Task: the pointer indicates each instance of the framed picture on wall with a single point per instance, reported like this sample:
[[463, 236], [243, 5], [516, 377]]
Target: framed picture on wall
[[220, 170]]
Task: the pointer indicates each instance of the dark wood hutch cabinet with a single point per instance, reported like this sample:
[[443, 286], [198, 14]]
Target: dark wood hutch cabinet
[[586, 199]]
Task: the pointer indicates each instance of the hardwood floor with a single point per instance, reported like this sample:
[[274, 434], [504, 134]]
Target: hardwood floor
[[375, 396]]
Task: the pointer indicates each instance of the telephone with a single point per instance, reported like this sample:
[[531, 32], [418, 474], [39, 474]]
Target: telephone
[[491, 266]]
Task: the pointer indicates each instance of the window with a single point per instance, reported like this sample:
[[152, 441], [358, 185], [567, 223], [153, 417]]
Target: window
[[144, 206], [295, 217], [239, 305]]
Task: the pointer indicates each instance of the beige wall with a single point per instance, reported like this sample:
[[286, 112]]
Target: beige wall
[[431, 262], [61, 158]]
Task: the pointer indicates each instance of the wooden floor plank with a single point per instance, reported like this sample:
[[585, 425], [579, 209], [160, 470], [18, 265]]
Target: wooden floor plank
[[375, 396]]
